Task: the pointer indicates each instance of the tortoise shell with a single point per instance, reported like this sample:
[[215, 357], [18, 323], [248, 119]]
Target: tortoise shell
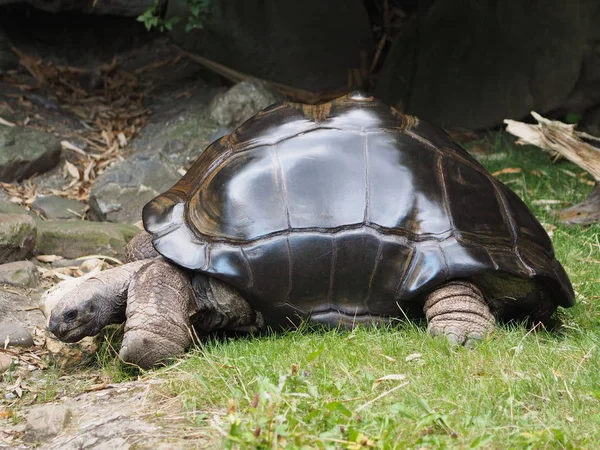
[[350, 211]]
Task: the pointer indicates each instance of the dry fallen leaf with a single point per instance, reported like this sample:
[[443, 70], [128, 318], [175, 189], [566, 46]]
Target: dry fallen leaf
[[88, 173], [507, 171], [67, 145], [391, 377], [122, 139], [413, 356], [48, 258], [72, 170], [389, 358], [568, 172]]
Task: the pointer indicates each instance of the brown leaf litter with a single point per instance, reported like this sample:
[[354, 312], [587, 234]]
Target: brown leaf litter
[[107, 101]]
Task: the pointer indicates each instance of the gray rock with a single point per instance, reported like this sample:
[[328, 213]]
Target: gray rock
[[310, 44], [19, 273], [232, 108], [18, 233], [45, 422], [25, 152], [17, 334], [120, 193], [129, 8], [180, 138], [72, 239], [58, 208], [11, 208], [472, 64]]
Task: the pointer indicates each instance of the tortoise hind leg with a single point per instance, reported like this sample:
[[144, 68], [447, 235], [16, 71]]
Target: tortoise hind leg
[[159, 305], [221, 307], [458, 311]]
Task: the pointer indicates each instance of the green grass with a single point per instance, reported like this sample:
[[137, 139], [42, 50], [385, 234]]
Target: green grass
[[517, 389]]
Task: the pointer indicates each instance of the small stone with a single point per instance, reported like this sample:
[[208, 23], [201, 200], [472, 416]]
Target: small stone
[[53, 207], [19, 273], [5, 362], [45, 422], [17, 334], [18, 233]]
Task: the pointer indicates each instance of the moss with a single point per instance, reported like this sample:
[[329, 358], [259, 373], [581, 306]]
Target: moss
[[74, 239]]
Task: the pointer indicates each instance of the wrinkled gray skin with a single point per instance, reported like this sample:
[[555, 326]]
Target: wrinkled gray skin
[[163, 304]]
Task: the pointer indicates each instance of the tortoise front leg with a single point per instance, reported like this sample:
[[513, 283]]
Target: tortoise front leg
[[160, 303], [458, 311]]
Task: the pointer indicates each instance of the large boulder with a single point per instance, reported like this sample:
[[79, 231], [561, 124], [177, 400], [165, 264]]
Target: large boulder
[[310, 44], [132, 8], [474, 63], [25, 152]]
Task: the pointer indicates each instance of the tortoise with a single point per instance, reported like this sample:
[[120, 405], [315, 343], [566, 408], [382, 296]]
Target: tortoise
[[343, 213]]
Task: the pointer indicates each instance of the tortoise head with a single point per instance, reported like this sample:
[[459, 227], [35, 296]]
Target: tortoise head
[[81, 312]]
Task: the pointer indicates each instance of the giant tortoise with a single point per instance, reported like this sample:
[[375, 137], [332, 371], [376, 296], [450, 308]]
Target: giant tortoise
[[343, 213]]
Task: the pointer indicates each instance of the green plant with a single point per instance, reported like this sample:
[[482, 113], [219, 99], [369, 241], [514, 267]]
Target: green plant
[[199, 14]]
